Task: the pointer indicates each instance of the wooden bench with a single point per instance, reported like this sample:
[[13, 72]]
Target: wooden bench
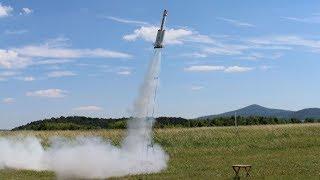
[[237, 168]]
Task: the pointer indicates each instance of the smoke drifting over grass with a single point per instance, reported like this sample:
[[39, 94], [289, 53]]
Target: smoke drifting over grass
[[94, 157]]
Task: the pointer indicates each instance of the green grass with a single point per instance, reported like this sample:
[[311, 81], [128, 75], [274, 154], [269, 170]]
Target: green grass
[[274, 151]]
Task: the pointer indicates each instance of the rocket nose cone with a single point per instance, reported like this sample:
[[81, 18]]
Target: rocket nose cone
[[165, 12]]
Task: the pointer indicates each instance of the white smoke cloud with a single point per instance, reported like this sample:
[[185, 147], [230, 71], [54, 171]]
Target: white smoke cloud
[[83, 157], [93, 157]]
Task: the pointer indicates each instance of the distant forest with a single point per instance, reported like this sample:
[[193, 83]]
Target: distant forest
[[87, 123]]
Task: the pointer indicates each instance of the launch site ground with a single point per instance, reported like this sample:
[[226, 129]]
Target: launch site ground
[[274, 151]]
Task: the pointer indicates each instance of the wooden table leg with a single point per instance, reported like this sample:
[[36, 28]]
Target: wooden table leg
[[236, 170], [248, 170]]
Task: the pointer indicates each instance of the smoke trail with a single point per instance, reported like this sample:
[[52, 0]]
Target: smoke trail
[[94, 157], [140, 128]]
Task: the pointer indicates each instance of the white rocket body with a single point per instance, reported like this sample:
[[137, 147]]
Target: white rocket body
[[161, 32]]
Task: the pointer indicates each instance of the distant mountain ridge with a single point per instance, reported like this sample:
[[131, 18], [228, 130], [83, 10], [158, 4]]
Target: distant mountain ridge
[[257, 110]]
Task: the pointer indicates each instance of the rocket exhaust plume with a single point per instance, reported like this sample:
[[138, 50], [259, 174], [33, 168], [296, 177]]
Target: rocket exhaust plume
[[85, 157]]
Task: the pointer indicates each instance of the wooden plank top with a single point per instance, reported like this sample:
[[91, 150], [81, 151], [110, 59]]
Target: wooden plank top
[[241, 165]]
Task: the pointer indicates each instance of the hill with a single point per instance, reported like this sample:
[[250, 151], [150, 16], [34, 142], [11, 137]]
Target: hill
[[313, 113], [257, 110]]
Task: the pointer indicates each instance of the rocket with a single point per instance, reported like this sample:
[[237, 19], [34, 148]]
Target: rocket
[[161, 31]]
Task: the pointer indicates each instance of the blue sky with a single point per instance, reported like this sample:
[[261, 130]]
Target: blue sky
[[80, 58]]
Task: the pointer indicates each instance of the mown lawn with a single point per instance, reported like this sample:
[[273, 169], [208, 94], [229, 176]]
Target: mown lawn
[[274, 151]]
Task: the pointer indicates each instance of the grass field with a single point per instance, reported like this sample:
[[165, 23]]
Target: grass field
[[274, 151]]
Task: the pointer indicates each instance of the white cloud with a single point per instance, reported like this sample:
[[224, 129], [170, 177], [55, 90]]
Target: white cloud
[[15, 32], [236, 22], [45, 51], [26, 11], [53, 49], [204, 68], [8, 73], [265, 67], [243, 49], [57, 74], [126, 21], [53, 61], [227, 50], [173, 36], [48, 93], [27, 78], [8, 100], [314, 19], [195, 55], [253, 56], [209, 68], [5, 10], [10, 60], [257, 56], [88, 108], [237, 69], [124, 72], [288, 40], [196, 88]]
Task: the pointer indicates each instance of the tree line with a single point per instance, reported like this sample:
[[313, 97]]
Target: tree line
[[87, 123]]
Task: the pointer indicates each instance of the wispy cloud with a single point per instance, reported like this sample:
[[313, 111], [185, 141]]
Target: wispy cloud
[[210, 68], [5, 75], [5, 10], [88, 108], [195, 55], [267, 47], [124, 72], [314, 19], [237, 69], [27, 78], [265, 67], [236, 22], [204, 68], [8, 73], [26, 11], [253, 56], [53, 61], [227, 50], [10, 59], [57, 74], [8, 100], [126, 21], [48, 93], [288, 40], [257, 56], [196, 88], [45, 51], [52, 49], [15, 32]]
